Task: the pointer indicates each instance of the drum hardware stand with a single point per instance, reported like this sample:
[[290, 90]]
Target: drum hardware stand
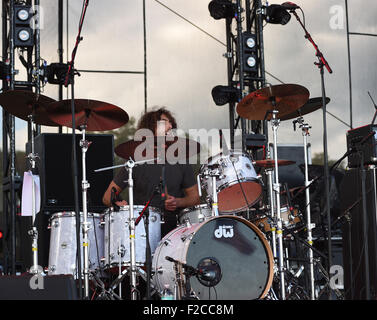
[[130, 164], [33, 232], [276, 188], [84, 144], [305, 133], [272, 206]]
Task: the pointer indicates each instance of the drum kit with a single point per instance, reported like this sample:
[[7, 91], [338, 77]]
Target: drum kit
[[230, 247]]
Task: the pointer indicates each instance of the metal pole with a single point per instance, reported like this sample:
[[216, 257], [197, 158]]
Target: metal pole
[[310, 226], [349, 63], [85, 225], [279, 231]]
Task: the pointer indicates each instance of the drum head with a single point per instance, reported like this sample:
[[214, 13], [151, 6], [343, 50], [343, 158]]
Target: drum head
[[233, 199], [235, 258]]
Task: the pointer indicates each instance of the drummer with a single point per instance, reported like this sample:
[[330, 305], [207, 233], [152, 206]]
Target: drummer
[[181, 186]]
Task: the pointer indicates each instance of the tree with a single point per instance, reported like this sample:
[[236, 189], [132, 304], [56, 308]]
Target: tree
[[318, 159]]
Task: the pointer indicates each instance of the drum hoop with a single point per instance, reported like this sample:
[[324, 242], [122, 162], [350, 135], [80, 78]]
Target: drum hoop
[[197, 207], [136, 207], [264, 241], [69, 214]]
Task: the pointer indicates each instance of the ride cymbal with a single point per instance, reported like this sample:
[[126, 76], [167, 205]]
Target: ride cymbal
[[23, 104], [96, 115], [258, 104], [313, 104]]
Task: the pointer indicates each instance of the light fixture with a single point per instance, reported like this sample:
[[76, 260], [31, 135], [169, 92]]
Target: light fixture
[[23, 14], [276, 14], [55, 73], [224, 94], [249, 47], [222, 9], [23, 33]]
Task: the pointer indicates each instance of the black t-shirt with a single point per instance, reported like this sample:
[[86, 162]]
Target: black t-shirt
[[147, 177]]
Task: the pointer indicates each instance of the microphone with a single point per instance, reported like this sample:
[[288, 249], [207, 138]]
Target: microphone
[[290, 6], [190, 270]]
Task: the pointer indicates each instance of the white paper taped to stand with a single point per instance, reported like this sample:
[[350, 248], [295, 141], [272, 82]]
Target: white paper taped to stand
[[27, 194]]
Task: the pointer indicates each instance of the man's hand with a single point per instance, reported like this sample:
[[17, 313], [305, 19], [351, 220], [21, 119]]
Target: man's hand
[[171, 203], [121, 203]]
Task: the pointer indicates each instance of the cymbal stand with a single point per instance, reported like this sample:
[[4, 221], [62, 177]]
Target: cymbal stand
[[276, 188], [269, 172], [309, 225], [130, 164], [33, 232], [84, 144]]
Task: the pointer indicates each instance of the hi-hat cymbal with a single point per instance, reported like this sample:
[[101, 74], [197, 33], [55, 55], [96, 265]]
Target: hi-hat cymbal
[[172, 149], [23, 104], [313, 104], [96, 115], [270, 163], [257, 104]]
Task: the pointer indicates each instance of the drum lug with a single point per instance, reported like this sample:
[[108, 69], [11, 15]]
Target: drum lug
[[167, 242], [51, 268]]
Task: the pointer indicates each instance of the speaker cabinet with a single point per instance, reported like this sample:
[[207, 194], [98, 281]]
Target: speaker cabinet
[[355, 243], [25, 287], [55, 167], [292, 174]]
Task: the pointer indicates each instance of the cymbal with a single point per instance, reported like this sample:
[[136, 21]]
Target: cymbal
[[313, 104], [172, 149], [270, 163], [288, 97], [96, 115], [22, 104]]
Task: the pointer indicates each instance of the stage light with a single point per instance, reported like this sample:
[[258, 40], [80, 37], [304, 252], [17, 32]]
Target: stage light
[[222, 9], [23, 33], [249, 47], [55, 73], [224, 94], [276, 14], [23, 14]]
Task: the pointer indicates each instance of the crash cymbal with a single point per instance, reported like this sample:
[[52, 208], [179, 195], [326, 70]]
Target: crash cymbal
[[96, 115], [288, 97], [313, 104], [22, 104], [171, 149], [270, 163]]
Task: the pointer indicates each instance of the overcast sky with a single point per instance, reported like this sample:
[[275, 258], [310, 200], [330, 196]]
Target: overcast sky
[[184, 64]]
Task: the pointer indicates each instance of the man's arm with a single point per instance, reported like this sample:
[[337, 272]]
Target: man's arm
[[190, 199]]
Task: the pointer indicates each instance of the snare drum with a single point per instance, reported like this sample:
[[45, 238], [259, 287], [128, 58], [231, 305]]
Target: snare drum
[[117, 235], [238, 187], [63, 244], [232, 254], [195, 214]]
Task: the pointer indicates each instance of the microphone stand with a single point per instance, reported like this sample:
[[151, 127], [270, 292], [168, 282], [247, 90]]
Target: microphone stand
[[69, 78], [320, 64], [148, 261]]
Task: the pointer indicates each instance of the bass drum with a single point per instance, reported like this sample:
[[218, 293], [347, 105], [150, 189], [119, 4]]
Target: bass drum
[[230, 250]]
